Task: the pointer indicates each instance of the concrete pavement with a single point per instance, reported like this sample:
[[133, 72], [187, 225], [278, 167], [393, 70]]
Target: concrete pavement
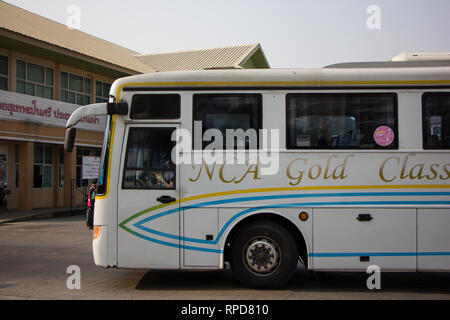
[[35, 255], [38, 214]]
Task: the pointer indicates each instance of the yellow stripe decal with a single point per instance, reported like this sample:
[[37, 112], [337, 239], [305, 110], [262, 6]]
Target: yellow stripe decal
[[113, 126], [279, 83], [281, 189]]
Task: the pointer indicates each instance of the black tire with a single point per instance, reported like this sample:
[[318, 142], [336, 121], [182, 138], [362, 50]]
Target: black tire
[[263, 255]]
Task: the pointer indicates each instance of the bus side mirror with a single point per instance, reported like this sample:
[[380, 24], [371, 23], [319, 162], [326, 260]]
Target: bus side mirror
[[70, 139]]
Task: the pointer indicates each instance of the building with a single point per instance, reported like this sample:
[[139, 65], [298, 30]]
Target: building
[[46, 72]]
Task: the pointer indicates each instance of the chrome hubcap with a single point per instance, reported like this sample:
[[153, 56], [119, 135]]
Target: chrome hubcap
[[262, 255]]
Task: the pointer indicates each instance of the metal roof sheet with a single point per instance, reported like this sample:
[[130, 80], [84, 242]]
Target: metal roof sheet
[[32, 25], [216, 58]]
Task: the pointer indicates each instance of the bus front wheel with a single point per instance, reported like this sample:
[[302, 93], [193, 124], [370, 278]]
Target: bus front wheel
[[263, 255]]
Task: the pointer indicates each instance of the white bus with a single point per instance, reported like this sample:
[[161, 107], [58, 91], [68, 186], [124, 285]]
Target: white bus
[[362, 179]]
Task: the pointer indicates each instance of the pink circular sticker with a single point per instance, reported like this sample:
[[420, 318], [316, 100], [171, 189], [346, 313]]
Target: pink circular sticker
[[383, 136]]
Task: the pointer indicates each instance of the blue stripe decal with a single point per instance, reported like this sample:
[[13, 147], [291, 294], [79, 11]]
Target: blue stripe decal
[[174, 244], [140, 224], [433, 254], [314, 195], [375, 254], [318, 195]]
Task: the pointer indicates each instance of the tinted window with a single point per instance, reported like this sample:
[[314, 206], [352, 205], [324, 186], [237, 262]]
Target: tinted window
[[3, 65], [148, 163], [75, 89], [33, 79], [229, 111], [436, 120], [341, 121], [155, 106]]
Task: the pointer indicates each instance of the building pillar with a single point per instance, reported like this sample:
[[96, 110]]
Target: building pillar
[[12, 76], [26, 156], [70, 172], [56, 84], [55, 182]]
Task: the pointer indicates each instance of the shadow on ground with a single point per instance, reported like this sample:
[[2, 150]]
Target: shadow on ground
[[302, 281]]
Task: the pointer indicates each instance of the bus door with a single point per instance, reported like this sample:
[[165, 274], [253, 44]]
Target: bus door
[[148, 190]]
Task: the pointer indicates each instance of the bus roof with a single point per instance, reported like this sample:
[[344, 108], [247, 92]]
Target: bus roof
[[287, 78]]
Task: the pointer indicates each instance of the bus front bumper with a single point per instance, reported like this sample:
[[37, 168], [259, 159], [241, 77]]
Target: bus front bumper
[[100, 245]]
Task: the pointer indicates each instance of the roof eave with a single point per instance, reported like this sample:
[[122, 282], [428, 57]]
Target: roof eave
[[250, 54], [68, 52]]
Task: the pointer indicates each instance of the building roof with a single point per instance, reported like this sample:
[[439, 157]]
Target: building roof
[[34, 26], [234, 57]]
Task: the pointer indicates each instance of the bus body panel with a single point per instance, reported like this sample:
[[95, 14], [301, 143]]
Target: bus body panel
[[433, 239], [406, 190], [100, 248], [379, 241], [157, 237], [200, 235]]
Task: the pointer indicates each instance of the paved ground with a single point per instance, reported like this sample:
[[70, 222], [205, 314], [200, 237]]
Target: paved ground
[[34, 257], [38, 214]]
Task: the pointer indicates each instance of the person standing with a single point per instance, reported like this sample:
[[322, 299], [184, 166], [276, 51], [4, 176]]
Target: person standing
[[90, 210]]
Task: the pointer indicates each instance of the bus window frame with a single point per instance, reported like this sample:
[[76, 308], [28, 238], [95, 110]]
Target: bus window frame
[[395, 144], [125, 168], [260, 107], [105, 158], [424, 120], [135, 95]]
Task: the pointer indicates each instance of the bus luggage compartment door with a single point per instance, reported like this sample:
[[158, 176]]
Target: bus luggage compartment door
[[200, 245], [433, 239], [353, 239]]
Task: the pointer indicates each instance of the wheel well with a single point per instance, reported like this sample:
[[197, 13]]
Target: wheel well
[[293, 230]]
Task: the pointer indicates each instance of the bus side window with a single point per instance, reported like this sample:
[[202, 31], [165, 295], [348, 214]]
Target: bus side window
[[155, 106], [436, 120], [341, 121], [148, 163], [230, 111]]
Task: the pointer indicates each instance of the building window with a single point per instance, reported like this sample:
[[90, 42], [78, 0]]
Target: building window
[[80, 154], [4, 72], [239, 112], [34, 80], [102, 91], [43, 164], [436, 120], [341, 121], [61, 168], [16, 162], [75, 89]]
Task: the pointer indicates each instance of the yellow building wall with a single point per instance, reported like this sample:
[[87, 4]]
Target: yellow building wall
[[17, 132]]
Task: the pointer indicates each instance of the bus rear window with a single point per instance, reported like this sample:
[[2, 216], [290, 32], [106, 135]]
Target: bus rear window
[[436, 120], [341, 121], [155, 106]]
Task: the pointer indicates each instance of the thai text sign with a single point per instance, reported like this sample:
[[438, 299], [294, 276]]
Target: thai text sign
[[17, 106], [91, 166]]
